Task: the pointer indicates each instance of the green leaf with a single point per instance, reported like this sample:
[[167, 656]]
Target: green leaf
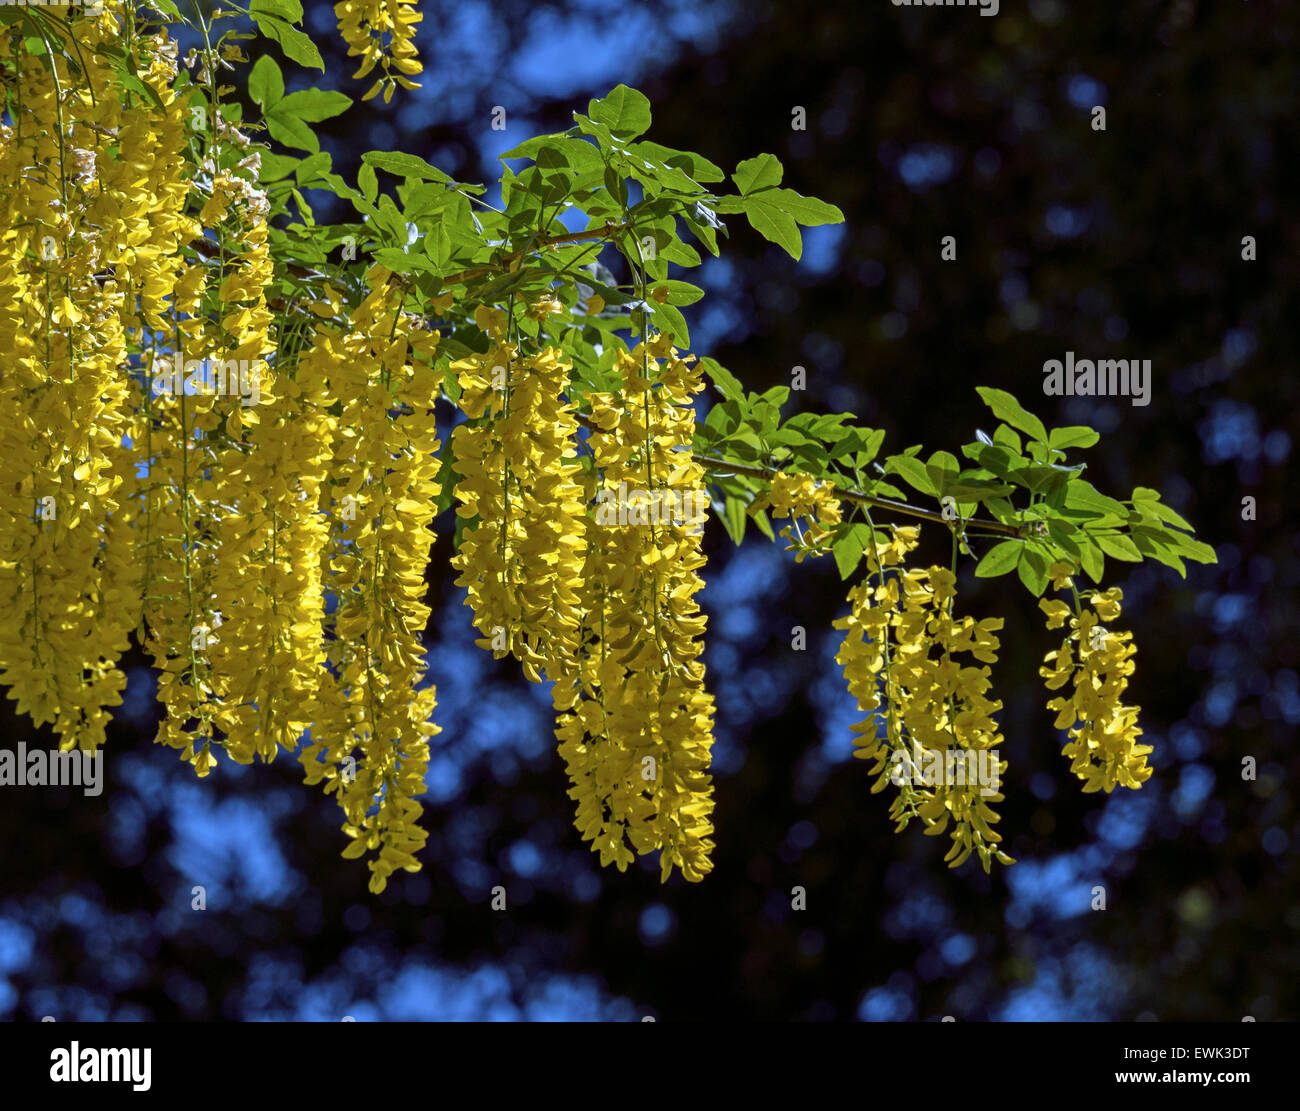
[[699, 168], [313, 167], [1194, 550], [1168, 515], [314, 105], [681, 293], [626, 112], [450, 387], [265, 82], [403, 262], [723, 380], [401, 164], [733, 518], [808, 211], [1032, 569], [578, 154], [369, 182], [1000, 559], [1082, 495], [292, 132], [437, 245], [668, 318], [1064, 538], [1007, 437], [128, 80], [767, 415], [972, 492], [1118, 546], [293, 42], [942, 467], [762, 172], [847, 548], [447, 476], [1157, 544], [1007, 408], [1075, 435], [1094, 563], [288, 10], [775, 226], [683, 254], [912, 471], [276, 167]]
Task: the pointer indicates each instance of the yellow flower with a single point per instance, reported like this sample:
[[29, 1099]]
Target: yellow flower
[[371, 723], [1107, 603], [635, 727], [521, 557], [930, 728], [1059, 574], [381, 32], [1103, 748], [1056, 612], [801, 496]]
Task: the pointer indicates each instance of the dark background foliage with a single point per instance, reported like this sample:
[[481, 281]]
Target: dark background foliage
[[1125, 243]]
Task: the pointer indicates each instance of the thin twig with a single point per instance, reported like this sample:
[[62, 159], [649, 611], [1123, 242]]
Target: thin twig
[[720, 467], [547, 241]]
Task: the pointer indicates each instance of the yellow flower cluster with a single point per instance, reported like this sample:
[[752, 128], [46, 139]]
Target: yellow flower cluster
[[635, 729], [521, 558], [940, 740], [606, 610], [247, 489], [796, 495], [382, 32], [243, 472], [373, 720], [1103, 748], [212, 616], [87, 213]]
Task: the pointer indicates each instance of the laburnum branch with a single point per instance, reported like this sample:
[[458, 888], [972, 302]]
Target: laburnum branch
[[720, 468], [712, 464], [857, 497], [506, 261], [210, 250]]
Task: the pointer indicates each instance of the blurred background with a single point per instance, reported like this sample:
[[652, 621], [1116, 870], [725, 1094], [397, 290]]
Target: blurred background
[[1123, 243]]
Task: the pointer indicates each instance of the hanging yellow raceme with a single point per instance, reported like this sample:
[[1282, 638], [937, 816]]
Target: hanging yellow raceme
[[865, 656], [182, 503], [371, 730], [207, 610], [940, 738], [148, 190], [242, 468], [71, 209], [382, 33], [637, 737], [796, 496], [256, 593], [521, 557], [1103, 748]]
